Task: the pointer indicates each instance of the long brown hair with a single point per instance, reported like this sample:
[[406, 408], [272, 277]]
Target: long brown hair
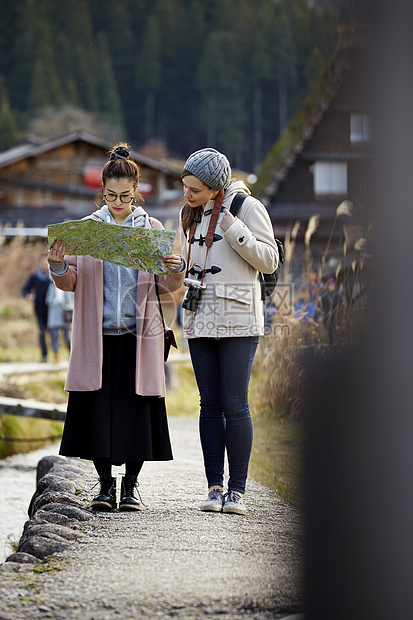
[[120, 166], [188, 213]]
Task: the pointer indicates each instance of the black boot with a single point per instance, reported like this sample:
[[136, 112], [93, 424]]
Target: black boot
[[106, 500], [127, 499]]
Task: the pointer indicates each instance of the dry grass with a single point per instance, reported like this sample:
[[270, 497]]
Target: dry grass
[[18, 259], [18, 331], [182, 399], [20, 435], [277, 391], [46, 391], [18, 326], [275, 399], [278, 366], [19, 343], [276, 459]]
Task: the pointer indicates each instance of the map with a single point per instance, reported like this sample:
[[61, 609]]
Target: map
[[141, 248]]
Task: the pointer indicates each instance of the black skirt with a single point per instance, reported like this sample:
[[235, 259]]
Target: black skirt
[[114, 422]]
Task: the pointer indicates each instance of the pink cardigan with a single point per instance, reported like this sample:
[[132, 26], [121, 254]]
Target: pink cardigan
[[85, 277]]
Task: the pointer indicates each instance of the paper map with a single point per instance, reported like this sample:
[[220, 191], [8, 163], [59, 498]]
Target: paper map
[[141, 248]]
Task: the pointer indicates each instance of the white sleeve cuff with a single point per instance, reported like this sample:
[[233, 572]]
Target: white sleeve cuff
[[180, 267]]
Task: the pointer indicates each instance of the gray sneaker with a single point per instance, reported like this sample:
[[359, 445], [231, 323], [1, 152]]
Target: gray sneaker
[[234, 504], [213, 502]]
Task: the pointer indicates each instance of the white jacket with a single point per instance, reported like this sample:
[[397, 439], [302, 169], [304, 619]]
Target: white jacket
[[231, 304]]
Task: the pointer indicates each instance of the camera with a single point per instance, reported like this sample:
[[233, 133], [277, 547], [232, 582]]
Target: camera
[[193, 294]]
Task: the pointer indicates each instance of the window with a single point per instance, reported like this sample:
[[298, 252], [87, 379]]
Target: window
[[360, 128], [330, 178]]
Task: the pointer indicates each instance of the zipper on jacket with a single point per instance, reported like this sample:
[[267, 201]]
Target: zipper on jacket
[[119, 302]]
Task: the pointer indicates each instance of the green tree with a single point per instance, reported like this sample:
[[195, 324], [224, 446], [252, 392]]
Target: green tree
[[45, 83], [10, 14], [9, 132], [64, 38], [260, 73], [114, 22], [314, 66], [307, 26], [84, 50], [149, 73], [223, 94], [185, 102], [170, 14], [284, 62], [110, 106], [225, 72], [22, 52], [323, 29]]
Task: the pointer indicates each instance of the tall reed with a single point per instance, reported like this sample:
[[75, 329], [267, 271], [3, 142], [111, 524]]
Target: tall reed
[[282, 351]]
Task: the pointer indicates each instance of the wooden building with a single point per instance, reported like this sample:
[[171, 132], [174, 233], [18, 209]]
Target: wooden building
[[44, 183], [322, 159]]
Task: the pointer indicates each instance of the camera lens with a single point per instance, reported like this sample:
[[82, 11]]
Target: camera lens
[[192, 298]]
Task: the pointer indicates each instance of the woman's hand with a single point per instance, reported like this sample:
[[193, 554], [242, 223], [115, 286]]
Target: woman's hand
[[172, 261], [227, 220], [56, 253]]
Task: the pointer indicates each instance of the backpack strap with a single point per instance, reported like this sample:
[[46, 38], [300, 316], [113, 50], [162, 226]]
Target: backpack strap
[[268, 280], [237, 203]]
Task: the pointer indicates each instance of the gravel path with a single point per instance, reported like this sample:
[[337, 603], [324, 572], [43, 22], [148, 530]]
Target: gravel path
[[170, 560]]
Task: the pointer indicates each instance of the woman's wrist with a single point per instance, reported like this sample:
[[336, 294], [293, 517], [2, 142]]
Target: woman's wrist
[[180, 267], [58, 268]]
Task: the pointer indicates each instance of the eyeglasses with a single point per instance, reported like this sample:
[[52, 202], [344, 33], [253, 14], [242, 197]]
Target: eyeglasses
[[113, 197]]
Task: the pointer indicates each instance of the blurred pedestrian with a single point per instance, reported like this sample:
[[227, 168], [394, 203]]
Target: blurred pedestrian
[[58, 304], [36, 289], [330, 300]]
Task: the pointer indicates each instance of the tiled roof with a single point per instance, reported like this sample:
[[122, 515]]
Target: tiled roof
[[301, 127], [32, 149]]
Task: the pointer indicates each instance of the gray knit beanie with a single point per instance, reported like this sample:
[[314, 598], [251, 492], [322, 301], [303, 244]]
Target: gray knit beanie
[[211, 167]]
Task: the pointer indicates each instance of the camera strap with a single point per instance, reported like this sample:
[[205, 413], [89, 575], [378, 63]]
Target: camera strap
[[214, 218], [211, 229]]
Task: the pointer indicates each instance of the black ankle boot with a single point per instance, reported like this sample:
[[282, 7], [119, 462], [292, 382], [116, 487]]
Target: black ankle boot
[[106, 500], [127, 499]]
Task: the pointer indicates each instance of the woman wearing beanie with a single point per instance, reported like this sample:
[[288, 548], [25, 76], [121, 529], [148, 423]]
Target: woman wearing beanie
[[116, 410], [223, 314]]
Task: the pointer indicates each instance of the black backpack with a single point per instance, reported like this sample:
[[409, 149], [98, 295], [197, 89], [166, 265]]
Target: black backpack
[[268, 280]]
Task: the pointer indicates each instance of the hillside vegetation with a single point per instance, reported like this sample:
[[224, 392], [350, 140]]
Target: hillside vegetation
[[222, 73]]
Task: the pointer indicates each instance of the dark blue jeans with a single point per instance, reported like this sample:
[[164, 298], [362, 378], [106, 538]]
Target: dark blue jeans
[[42, 323], [54, 333], [222, 370]]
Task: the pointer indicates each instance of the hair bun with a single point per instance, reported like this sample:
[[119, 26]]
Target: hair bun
[[120, 152]]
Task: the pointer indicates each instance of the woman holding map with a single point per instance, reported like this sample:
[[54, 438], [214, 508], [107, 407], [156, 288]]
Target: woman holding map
[[223, 314], [116, 409]]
